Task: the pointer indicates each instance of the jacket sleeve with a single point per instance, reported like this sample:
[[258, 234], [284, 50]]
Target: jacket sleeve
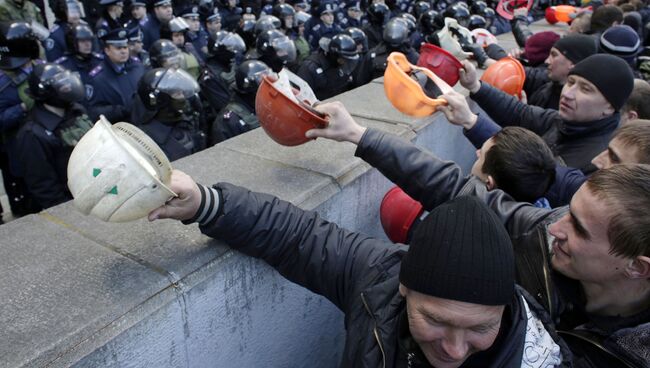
[[536, 78], [484, 129], [304, 248], [507, 110], [566, 184], [11, 117], [520, 30], [432, 181]]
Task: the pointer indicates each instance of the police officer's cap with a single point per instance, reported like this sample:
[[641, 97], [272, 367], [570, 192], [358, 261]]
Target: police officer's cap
[[135, 34], [214, 16], [326, 7], [156, 3], [135, 3], [191, 11], [110, 2], [116, 37]]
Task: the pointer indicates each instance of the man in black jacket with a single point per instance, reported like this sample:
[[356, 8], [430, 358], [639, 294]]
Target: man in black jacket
[[596, 89], [587, 263], [448, 300]]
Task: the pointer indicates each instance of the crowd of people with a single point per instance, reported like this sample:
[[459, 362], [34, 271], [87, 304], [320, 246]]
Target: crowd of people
[[539, 257]]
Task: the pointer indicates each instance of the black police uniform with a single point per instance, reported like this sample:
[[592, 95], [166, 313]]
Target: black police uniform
[[45, 154], [199, 41], [55, 45], [112, 88], [379, 56], [237, 117], [215, 82], [82, 66], [230, 18], [325, 78], [374, 32]]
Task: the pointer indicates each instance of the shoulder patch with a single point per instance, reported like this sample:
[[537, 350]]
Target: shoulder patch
[[97, 55], [89, 91], [101, 33], [319, 71], [60, 60], [316, 27], [54, 28], [96, 70], [136, 59], [49, 44]]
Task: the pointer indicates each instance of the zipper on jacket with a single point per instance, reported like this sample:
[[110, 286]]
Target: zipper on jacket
[[374, 330], [547, 282]]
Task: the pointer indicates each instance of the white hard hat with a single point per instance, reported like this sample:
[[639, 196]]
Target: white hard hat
[[117, 173]]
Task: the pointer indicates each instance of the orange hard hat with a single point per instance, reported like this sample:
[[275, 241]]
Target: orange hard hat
[[507, 75], [397, 213], [441, 62], [284, 119], [411, 89], [565, 13]]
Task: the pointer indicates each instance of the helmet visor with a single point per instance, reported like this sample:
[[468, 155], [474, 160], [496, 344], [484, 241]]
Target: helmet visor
[[233, 43], [68, 86], [285, 49], [178, 84]]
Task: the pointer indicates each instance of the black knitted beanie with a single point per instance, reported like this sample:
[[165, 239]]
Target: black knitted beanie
[[610, 74], [462, 252], [577, 47]]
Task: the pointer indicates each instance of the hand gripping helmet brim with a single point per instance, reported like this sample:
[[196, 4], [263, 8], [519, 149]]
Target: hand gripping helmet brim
[[507, 75], [397, 213], [284, 111], [411, 89], [439, 61], [117, 173], [484, 37]]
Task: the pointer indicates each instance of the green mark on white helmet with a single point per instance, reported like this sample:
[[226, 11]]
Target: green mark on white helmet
[[96, 172], [113, 190]]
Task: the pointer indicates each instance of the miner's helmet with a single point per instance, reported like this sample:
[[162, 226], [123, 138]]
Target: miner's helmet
[[507, 75], [398, 214], [439, 61], [411, 89]]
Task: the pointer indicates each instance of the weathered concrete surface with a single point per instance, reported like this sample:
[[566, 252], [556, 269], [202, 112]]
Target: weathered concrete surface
[[75, 291]]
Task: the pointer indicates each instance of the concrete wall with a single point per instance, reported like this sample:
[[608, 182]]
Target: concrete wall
[[75, 291]]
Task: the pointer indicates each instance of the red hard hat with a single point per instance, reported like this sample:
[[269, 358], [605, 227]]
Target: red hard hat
[[398, 212], [441, 62], [506, 8], [507, 75], [549, 14], [282, 118]]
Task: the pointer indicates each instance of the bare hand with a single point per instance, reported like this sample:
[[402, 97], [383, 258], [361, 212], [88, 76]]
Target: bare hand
[[457, 110], [341, 127], [469, 77], [187, 202], [516, 53]]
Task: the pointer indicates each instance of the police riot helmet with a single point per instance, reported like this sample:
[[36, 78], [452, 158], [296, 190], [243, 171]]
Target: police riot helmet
[[267, 23], [359, 37], [378, 13], [226, 45], [342, 50], [478, 7], [18, 44], [55, 85], [410, 21], [163, 53], [80, 32], [396, 32], [275, 49], [167, 91], [431, 21], [420, 8], [248, 76], [301, 18], [476, 21], [458, 12], [489, 14], [176, 25], [283, 10]]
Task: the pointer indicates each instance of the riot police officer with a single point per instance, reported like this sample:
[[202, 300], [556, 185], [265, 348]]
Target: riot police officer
[[162, 13], [325, 27], [225, 53], [166, 108], [238, 116], [395, 38], [80, 57], [363, 72], [230, 15], [430, 23], [110, 19], [114, 81], [330, 72], [18, 51], [285, 13], [275, 49], [52, 129], [67, 14], [175, 31], [378, 14]]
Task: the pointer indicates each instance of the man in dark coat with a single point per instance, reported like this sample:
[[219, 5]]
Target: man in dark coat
[[449, 299], [595, 91], [588, 264]]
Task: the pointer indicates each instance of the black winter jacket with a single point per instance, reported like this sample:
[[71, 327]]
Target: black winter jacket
[[595, 340], [575, 144], [357, 273]]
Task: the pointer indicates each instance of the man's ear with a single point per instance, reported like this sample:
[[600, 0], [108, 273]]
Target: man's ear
[[632, 115], [403, 290], [490, 183], [639, 268]]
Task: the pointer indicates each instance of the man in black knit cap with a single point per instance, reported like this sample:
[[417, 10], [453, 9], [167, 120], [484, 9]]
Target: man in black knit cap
[[596, 89], [452, 302]]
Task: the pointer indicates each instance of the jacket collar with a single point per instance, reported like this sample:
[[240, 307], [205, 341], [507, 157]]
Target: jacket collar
[[605, 125], [47, 119]]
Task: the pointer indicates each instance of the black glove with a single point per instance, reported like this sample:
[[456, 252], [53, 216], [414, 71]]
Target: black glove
[[479, 54]]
